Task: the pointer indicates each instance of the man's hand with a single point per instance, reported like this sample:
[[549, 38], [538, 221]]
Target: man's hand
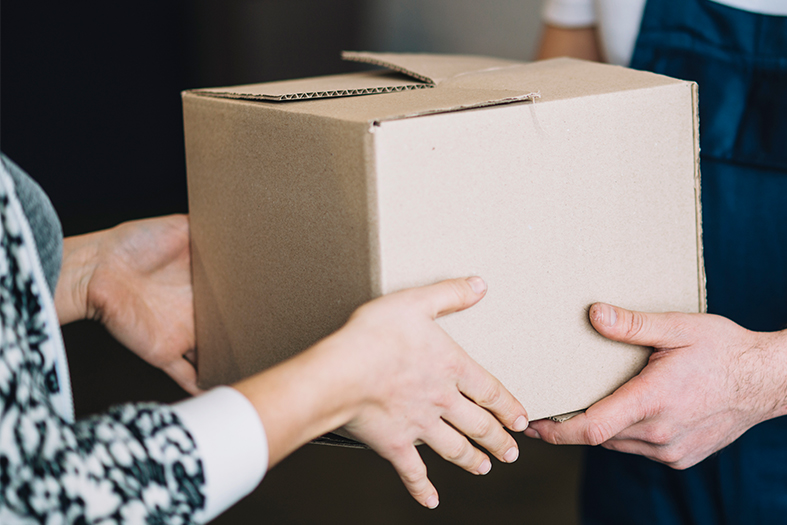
[[136, 279], [707, 382], [394, 378]]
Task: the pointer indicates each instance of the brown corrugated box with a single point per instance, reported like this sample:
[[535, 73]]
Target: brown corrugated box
[[560, 182]]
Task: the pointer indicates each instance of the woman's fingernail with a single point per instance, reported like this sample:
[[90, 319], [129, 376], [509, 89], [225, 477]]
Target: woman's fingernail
[[485, 467], [511, 455], [432, 502], [477, 284], [532, 433], [520, 424], [605, 314]]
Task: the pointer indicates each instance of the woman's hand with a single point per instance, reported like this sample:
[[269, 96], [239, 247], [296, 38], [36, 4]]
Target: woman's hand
[[136, 279], [394, 378]]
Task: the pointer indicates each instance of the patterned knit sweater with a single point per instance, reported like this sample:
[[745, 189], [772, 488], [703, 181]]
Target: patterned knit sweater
[[134, 464]]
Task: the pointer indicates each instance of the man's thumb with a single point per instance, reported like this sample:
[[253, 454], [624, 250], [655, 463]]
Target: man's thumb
[[638, 328]]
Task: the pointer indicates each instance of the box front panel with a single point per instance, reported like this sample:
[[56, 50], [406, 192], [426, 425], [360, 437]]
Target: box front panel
[[556, 205]]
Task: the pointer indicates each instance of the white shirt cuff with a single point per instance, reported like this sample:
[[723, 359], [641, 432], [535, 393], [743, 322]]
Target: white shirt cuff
[[569, 13], [231, 442]]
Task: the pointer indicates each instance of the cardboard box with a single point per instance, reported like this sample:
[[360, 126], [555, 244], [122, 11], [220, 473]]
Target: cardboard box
[[560, 182]]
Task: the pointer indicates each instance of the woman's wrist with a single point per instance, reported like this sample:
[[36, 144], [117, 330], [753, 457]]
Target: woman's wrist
[[304, 397], [80, 255]]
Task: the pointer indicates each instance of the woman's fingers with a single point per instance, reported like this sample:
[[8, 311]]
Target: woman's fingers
[[412, 471], [449, 296], [454, 447], [488, 392], [483, 428]]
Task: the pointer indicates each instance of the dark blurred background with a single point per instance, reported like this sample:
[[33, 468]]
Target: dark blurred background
[[90, 107]]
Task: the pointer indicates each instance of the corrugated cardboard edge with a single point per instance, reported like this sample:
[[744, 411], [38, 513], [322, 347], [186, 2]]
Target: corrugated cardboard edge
[[701, 278], [565, 417], [312, 94]]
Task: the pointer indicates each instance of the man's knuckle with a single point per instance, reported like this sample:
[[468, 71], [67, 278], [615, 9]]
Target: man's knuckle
[[596, 434], [670, 456], [680, 328], [659, 436], [635, 326]]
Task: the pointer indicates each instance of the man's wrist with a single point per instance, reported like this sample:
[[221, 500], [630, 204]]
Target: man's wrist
[[776, 342]]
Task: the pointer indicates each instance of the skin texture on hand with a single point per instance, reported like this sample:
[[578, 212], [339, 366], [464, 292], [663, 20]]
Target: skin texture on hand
[[136, 280], [707, 382], [393, 378], [579, 42]]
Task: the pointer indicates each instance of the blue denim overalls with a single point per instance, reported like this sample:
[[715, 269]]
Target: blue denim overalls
[[739, 60]]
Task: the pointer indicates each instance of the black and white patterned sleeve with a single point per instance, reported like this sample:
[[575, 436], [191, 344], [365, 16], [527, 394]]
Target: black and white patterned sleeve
[[133, 464], [137, 463]]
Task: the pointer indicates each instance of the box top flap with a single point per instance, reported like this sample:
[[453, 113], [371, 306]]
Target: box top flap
[[404, 72], [427, 84]]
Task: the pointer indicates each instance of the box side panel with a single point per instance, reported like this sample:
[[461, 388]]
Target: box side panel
[[280, 236], [556, 205]]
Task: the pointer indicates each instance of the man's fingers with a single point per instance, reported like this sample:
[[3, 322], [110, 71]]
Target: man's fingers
[[659, 330], [449, 296], [633, 446], [454, 447], [488, 392], [482, 427], [600, 423], [412, 471]]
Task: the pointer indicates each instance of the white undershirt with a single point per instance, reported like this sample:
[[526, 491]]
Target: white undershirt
[[618, 21], [232, 445]]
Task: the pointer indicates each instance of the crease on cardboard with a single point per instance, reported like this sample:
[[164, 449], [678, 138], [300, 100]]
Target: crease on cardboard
[[372, 207], [701, 277], [529, 97]]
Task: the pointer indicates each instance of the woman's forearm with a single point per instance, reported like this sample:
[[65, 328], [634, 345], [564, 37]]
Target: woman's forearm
[[303, 398]]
